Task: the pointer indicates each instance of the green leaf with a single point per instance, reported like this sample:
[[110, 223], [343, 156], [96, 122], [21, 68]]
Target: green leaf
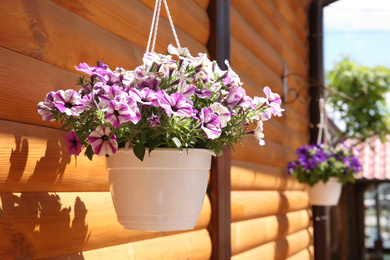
[[139, 151], [89, 152]]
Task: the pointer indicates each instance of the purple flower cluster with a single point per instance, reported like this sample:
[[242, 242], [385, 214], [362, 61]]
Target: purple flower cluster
[[319, 162], [187, 99]]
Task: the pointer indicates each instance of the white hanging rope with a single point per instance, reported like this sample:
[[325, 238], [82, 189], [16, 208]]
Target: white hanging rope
[[171, 23], [323, 125], [154, 26]]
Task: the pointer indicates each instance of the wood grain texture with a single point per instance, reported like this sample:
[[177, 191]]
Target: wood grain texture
[[45, 31], [187, 16], [275, 17], [271, 153], [254, 68], [43, 224], [203, 3], [300, 9], [249, 38], [255, 232], [195, 245], [255, 204], [292, 19], [279, 249], [252, 176], [34, 158], [305, 254], [259, 21], [131, 21], [38, 79]]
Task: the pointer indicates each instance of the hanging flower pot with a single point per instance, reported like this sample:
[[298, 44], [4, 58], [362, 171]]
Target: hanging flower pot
[[165, 192], [325, 194], [175, 101], [319, 163]]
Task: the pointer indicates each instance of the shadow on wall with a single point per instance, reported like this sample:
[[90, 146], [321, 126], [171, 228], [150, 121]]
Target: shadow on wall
[[35, 224]]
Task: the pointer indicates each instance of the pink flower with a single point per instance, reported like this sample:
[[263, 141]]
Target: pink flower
[[101, 141], [73, 143]]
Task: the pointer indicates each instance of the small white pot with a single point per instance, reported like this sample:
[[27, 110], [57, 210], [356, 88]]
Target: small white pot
[[165, 192], [327, 194]]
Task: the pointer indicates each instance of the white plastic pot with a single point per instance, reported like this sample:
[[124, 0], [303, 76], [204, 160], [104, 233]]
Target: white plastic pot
[[165, 192], [327, 194]]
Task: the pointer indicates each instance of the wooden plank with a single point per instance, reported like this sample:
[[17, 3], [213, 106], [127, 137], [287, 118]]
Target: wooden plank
[[271, 153], [45, 31], [34, 158], [187, 16], [258, 20], [305, 254], [280, 249], [249, 38], [299, 29], [190, 245], [255, 204], [131, 21], [202, 3], [251, 176], [300, 9], [274, 16], [42, 224], [254, 68], [255, 232]]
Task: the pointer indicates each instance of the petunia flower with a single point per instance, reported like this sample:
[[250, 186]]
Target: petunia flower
[[101, 141], [117, 113], [154, 120], [45, 108], [259, 133], [210, 123], [274, 102], [174, 104], [68, 102], [203, 93], [110, 92], [99, 70], [222, 113], [145, 96], [150, 82], [73, 143]]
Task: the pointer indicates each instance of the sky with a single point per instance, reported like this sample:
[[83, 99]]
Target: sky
[[359, 29]]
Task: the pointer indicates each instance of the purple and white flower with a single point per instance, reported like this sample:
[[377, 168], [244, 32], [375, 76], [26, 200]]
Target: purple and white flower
[[259, 133], [68, 102], [117, 113], [222, 113], [210, 123], [102, 141], [274, 102], [174, 104], [45, 108], [154, 120], [145, 96]]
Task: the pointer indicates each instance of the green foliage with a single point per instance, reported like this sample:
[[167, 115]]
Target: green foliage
[[363, 104]]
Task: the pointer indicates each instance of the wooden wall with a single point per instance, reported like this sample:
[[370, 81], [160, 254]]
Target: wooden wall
[[270, 210], [54, 206]]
